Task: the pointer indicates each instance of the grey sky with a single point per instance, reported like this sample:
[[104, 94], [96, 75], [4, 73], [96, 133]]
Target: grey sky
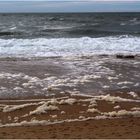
[[69, 6]]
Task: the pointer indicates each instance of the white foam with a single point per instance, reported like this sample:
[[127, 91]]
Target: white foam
[[47, 122], [53, 116], [114, 99], [30, 100], [117, 107], [137, 84], [68, 46], [82, 95], [63, 112], [124, 83], [136, 108], [16, 119], [81, 117], [44, 108], [69, 101], [122, 113], [133, 94], [93, 103], [4, 75], [112, 78], [10, 108], [105, 86], [9, 118], [93, 110]]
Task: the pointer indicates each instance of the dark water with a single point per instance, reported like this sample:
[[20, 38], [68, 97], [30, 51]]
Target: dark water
[[69, 25]]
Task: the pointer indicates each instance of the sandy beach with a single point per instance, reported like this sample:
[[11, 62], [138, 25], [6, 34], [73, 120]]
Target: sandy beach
[[71, 117], [117, 128], [85, 97]]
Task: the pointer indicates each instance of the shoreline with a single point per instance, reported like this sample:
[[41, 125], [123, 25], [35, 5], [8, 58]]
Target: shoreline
[[44, 77], [42, 118], [70, 98], [64, 117], [118, 128]]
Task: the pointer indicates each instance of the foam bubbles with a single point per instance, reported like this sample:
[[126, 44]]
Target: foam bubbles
[[68, 46]]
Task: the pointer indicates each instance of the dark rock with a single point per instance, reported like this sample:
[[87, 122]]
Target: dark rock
[[121, 56]]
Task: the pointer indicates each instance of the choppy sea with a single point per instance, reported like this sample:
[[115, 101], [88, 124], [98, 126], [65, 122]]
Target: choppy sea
[[45, 35]]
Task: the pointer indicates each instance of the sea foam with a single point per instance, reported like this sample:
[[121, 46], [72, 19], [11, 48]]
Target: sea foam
[[68, 46]]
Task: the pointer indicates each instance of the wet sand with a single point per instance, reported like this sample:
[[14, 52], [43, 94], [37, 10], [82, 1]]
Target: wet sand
[[118, 128], [92, 97], [82, 117], [94, 75]]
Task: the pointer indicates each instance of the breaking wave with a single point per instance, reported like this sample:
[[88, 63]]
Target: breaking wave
[[42, 47]]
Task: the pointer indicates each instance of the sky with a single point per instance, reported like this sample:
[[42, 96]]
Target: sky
[[25, 6]]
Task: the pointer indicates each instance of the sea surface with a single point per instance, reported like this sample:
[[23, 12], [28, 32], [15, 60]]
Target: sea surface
[[62, 53], [51, 72], [48, 35]]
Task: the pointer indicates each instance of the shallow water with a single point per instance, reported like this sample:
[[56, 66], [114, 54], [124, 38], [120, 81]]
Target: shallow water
[[92, 75], [66, 49]]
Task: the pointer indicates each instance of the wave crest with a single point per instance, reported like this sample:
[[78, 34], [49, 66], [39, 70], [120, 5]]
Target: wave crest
[[42, 47]]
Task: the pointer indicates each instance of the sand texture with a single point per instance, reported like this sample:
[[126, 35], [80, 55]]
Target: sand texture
[[85, 97]]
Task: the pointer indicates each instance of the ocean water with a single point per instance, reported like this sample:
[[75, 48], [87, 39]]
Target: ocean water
[[72, 37], [45, 35]]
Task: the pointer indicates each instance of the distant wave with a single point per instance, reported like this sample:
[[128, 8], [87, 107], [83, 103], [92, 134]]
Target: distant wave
[[42, 47], [27, 26], [7, 33]]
